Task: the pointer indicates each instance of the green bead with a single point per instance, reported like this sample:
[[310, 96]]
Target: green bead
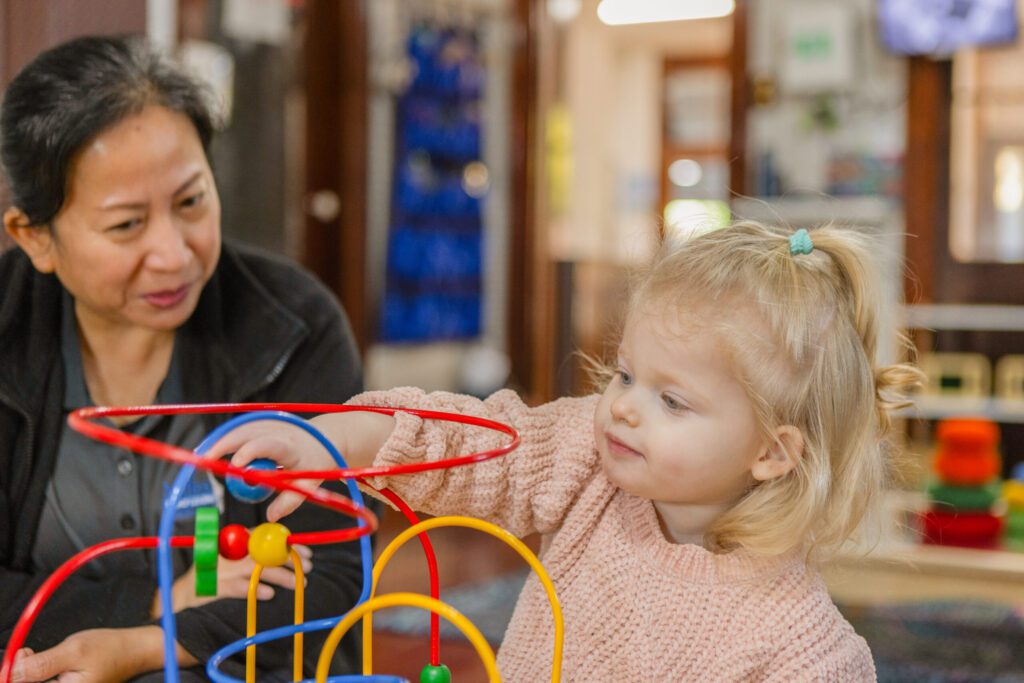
[[205, 551], [206, 582], [965, 498], [1015, 525], [435, 674]]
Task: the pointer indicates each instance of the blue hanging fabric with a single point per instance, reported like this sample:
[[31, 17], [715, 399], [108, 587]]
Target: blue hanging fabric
[[433, 287]]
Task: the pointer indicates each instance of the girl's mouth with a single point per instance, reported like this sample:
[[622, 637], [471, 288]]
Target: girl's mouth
[[616, 447]]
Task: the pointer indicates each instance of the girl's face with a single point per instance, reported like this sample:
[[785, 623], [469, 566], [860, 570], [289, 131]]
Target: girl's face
[[675, 425], [139, 233]]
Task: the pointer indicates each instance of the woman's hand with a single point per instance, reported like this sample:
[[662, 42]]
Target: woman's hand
[[102, 655], [357, 436], [233, 578]]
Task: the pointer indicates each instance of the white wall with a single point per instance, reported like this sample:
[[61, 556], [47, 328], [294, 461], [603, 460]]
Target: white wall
[[613, 92]]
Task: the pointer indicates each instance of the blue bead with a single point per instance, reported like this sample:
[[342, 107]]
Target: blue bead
[[1018, 471], [251, 493]]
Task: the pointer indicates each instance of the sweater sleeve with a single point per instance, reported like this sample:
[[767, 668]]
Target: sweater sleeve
[[528, 490], [838, 655]]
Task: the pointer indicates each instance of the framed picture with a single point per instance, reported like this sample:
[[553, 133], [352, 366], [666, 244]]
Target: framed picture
[[817, 48]]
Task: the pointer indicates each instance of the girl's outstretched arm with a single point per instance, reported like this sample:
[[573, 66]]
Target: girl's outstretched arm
[[528, 490], [357, 436]]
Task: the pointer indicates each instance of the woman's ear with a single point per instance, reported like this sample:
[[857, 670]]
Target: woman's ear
[[35, 241], [781, 455]]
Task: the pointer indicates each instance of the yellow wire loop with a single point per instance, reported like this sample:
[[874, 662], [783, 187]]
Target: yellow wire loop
[[250, 617], [300, 601], [486, 527], [472, 633], [250, 623]]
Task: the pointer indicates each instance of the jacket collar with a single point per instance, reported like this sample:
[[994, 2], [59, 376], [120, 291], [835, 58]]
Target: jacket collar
[[235, 344]]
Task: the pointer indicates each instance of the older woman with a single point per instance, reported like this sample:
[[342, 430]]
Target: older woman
[[121, 294]]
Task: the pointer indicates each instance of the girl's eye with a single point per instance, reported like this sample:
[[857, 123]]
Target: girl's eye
[[672, 403], [624, 377]]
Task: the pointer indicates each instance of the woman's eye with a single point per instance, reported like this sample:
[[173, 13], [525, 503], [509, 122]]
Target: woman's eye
[[126, 225], [193, 200]]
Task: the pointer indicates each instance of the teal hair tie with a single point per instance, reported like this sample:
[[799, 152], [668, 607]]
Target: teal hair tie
[[800, 243]]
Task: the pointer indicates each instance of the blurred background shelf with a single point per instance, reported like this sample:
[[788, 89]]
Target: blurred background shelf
[[979, 317], [938, 407], [905, 571]]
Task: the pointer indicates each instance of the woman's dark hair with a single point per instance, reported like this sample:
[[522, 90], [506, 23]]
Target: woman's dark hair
[[71, 93]]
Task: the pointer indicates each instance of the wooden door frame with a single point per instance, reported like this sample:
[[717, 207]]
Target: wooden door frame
[[527, 297], [740, 100], [926, 196], [337, 101]]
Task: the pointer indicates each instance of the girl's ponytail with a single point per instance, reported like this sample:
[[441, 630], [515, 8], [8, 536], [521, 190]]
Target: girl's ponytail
[[893, 384]]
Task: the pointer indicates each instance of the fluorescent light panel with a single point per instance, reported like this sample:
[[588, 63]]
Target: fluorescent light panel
[[616, 12]]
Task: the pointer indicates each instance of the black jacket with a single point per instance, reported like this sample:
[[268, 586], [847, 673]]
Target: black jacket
[[263, 331]]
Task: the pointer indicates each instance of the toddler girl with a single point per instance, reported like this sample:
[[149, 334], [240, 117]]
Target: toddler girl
[[739, 439]]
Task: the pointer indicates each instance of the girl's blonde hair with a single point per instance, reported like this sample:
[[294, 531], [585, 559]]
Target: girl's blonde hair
[[802, 331]]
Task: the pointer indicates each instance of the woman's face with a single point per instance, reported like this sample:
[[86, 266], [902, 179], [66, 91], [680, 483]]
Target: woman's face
[[139, 233]]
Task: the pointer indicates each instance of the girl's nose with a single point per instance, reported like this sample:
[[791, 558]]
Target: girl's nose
[[624, 410]]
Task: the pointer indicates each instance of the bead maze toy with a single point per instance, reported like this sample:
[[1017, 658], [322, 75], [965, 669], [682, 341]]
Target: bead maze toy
[[270, 544]]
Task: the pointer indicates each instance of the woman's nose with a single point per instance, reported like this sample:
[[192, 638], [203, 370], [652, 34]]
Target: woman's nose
[[169, 249]]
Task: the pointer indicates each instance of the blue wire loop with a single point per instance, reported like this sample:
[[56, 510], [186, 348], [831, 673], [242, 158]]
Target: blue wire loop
[[165, 573]]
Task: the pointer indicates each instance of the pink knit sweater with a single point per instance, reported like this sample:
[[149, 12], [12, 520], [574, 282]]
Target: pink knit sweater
[[637, 607]]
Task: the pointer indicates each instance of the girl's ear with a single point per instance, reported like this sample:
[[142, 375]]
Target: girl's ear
[[35, 241], [781, 455]]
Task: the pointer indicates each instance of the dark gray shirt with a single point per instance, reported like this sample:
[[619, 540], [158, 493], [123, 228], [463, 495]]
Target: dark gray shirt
[[99, 492]]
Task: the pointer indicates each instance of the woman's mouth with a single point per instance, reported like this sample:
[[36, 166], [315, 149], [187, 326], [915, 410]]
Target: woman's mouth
[[618, 448], [167, 298]]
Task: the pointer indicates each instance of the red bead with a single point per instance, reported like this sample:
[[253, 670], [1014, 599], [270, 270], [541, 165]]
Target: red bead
[[234, 542]]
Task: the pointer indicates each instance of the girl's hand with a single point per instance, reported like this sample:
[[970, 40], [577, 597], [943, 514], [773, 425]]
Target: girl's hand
[[233, 578], [357, 436]]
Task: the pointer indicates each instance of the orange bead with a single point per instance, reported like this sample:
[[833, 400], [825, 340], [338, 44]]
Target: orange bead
[[961, 469], [268, 544]]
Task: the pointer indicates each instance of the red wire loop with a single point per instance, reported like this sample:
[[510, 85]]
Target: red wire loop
[[81, 420]]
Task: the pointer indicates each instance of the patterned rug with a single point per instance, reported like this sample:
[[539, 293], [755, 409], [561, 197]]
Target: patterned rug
[[926, 642], [944, 641]]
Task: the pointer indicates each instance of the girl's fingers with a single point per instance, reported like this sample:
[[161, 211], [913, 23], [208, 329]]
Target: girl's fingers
[[265, 446], [287, 502], [230, 442]]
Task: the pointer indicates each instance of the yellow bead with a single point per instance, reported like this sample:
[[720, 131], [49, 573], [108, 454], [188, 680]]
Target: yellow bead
[[1013, 492], [268, 544]]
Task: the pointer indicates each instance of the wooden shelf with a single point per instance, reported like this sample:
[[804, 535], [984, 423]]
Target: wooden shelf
[[867, 210], [1008, 411], [979, 317], [903, 572]]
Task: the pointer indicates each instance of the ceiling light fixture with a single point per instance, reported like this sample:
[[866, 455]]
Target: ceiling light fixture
[[616, 12]]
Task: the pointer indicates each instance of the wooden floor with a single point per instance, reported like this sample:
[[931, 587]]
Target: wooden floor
[[463, 556]]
